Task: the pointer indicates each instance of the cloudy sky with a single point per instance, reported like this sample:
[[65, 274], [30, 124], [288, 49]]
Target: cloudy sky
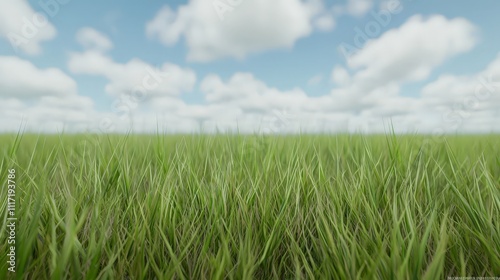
[[250, 65]]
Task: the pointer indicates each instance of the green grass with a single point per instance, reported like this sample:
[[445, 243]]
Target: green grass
[[241, 207]]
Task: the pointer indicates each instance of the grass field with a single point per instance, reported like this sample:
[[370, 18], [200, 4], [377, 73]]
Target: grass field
[[243, 207]]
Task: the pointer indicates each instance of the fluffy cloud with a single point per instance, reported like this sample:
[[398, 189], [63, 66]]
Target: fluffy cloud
[[44, 100], [244, 91], [24, 28], [249, 27], [340, 76], [93, 39], [466, 100], [70, 114], [135, 77], [21, 79], [412, 51], [325, 22], [241, 103], [358, 7]]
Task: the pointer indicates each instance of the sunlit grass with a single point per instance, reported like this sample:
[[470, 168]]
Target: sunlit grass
[[244, 207]]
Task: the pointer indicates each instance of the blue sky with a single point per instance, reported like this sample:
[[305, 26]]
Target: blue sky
[[273, 67]]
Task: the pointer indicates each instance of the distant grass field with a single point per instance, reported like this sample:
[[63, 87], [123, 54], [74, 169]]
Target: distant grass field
[[244, 207]]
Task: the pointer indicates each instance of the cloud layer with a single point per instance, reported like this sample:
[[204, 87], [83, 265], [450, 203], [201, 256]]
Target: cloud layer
[[365, 94]]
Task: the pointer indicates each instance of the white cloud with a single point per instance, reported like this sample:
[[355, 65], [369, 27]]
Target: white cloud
[[251, 27], [49, 114], [93, 39], [46, 118], [70, 112], [42, 100], [356, 8], [23, 27], [246, 92], [340, 76], [467, 94], [135, 77], [412, 51], [75, 102], [21, 79], [325, 22], [359, 8]]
